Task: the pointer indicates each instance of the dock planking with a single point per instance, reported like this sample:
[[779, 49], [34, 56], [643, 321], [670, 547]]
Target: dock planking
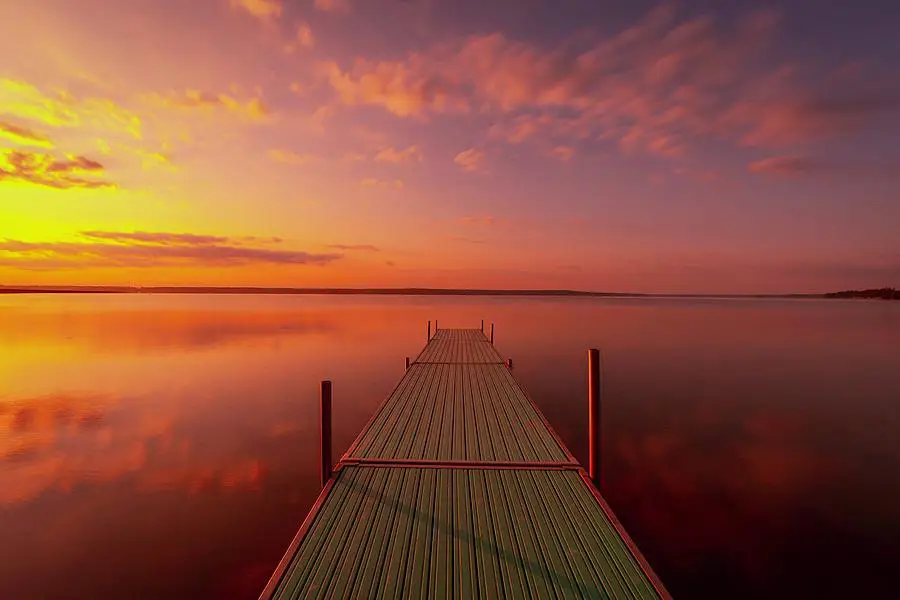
[[459, 488]]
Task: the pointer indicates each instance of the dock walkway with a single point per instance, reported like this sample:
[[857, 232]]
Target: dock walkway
[[459, 488]]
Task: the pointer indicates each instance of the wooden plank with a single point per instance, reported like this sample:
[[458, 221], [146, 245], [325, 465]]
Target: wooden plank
[[459, 488]]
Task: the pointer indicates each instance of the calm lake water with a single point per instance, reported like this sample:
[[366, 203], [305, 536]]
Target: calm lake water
[[157, 446]]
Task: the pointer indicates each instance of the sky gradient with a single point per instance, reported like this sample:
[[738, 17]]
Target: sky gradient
[[601, 145]]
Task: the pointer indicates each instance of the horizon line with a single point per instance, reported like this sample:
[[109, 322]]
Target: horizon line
[[404, 291]]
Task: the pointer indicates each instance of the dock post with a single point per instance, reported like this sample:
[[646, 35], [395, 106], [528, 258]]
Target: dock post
[[407, 362], [509, 363], [594, 415], [325, 431], [492, 333], [482, 326], [429, 330], [435, 326]]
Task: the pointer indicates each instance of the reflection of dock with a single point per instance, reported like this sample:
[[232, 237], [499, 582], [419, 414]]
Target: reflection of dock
[[459, 488]]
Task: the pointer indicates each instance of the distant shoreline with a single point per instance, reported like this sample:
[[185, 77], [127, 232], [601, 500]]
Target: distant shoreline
[[883, 293]]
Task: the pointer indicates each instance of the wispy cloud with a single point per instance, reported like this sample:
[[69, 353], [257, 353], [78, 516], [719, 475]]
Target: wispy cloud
[[253, 108], [787, 166], [410, 154], [650, 88], [355, 247], [804, 166], [149, 249], [563, 152], [470, 160], [60, 108], [24, 136], [485, 220], [46, 170], [156, 237]]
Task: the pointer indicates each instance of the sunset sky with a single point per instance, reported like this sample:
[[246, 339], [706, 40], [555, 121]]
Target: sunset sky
[[622, 145]]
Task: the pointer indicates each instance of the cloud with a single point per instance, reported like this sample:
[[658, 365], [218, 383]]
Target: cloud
[[650, 88], [24, 136], [371, 182], [149, 249], [63, 109], [563, 152], [305, 36], [486, 220], [395, 86], [470, 159], [410, 154], [291, 158], [803, 166], [252, 108], [303, 39], [787, 166], [46, 170], [333, 6], [265, 10], [155, 237], [355, 247]]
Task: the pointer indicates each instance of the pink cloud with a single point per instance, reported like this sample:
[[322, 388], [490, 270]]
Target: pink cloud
[[563, 152], [652, 86], [333, 6], [786, 166], [470, 160]]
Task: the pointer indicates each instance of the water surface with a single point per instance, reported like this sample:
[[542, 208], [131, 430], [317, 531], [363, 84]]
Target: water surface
[[163, 446]]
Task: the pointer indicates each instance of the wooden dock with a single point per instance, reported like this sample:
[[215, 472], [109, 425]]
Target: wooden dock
[[459, 488]]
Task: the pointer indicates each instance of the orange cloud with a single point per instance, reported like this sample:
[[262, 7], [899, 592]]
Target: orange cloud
[[291, 158], [410, 154], [24, 136], [333, 6], [62, 109], [149, 249], [45, 170], [470, 160], [252, 108], [264, 10]]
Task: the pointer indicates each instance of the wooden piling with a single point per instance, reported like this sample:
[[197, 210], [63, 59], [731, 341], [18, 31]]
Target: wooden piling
[[482, 325], [429, 331], [509, 363], [594, 464], [407, 362], [325, 431], [492, 333]]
